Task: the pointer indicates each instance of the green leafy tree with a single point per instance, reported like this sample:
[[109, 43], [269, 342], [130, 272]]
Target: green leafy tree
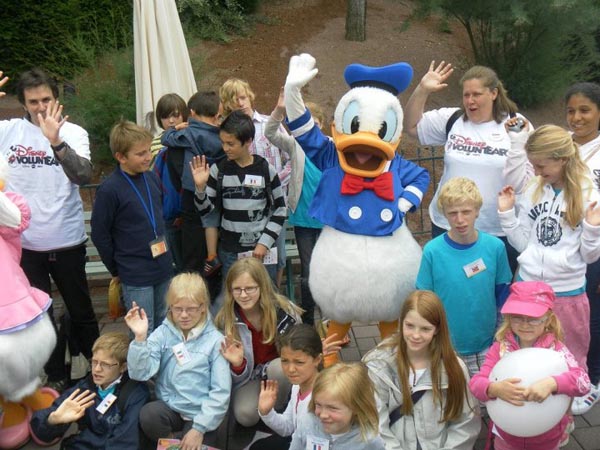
[[537, 47]]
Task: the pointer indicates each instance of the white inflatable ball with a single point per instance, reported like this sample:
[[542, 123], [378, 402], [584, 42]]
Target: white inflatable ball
[[531, 419]]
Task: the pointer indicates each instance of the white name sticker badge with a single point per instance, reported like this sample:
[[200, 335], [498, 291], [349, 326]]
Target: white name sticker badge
[[106, 403], [474, 268], [316, 443]]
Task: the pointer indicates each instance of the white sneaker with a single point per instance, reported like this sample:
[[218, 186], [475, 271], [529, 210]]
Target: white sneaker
[[582, 405]]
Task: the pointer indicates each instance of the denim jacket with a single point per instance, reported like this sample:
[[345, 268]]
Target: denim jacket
[[200, 389]]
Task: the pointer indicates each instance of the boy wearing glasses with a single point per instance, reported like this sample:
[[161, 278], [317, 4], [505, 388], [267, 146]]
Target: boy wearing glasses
[[127, 223], [468, 269], [105, 405]]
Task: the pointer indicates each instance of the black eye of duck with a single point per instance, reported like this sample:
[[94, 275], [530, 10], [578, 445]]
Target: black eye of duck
[[382, 130], [355, 125]]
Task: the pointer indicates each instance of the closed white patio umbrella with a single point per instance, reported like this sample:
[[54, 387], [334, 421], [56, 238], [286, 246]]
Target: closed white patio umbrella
[[161, 58]]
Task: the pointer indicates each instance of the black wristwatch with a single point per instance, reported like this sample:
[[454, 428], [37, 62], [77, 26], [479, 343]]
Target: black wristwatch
[[59, 147]]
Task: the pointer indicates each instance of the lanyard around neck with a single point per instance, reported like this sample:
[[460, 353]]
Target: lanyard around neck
[[149, 209]]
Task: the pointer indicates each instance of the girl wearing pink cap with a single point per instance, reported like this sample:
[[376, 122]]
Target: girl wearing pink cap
[[530, 322]]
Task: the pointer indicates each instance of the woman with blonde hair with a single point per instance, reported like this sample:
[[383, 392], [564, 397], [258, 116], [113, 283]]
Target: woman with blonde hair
[[342, 411], [251, 318], [421, 384]]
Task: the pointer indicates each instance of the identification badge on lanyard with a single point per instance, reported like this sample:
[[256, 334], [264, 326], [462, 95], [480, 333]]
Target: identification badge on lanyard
[[158, 246]]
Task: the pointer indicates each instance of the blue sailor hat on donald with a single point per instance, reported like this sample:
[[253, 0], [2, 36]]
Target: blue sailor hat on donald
[[393, 78]]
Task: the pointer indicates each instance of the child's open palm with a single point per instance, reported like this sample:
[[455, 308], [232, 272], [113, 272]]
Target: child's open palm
[[268, 396], [506, 199], [73, 408], [137, 321], [200, 171], [233, 351]]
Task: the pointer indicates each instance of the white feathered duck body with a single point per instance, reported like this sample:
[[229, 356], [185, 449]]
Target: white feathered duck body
[[366, 260]]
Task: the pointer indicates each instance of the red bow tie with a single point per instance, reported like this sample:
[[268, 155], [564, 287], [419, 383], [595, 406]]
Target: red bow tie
[[383, 185]]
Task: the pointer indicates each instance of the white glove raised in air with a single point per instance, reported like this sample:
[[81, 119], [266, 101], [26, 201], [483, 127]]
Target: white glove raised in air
[[301, 70]]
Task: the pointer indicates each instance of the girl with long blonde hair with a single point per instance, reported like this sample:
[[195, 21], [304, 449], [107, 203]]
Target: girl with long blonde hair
[[251, 318]]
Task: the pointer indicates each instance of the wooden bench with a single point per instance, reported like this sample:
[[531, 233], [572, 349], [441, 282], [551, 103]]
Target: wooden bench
[[292, 256], [94, 267]]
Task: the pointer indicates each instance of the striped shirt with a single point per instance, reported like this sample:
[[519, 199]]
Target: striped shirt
[[247, 217]]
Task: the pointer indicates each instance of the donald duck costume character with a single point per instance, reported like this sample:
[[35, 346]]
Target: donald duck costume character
[[366, 260]]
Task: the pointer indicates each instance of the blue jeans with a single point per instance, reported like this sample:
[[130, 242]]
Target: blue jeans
[[306, 238], [151, 298], [593, 357]]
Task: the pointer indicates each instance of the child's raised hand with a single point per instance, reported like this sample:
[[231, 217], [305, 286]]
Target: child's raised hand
[[267, 396], [200, 171], [192, 440], [137, 321], [435, 78], [233, 351], [331, 344], [508, 390], [592, 214], [540, 390], [506, 199], [73, 408]]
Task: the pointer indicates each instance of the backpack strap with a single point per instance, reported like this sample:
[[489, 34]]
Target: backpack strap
[[458, 113], [267, 177], [396, 414], [453, 118]]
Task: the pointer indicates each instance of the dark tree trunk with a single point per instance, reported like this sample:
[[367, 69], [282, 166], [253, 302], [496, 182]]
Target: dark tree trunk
[[356, 20]]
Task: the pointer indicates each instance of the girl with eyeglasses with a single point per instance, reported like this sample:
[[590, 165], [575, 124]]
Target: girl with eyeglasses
[[193, 385], [251, 318], [530, 322]]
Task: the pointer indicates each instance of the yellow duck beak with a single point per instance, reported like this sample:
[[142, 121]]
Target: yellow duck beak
[[363, 153]]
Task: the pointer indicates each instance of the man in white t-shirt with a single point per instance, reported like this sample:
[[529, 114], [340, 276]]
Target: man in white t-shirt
[[49, 159]]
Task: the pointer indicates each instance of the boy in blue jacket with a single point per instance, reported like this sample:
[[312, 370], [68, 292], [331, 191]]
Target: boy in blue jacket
[[106, 405]]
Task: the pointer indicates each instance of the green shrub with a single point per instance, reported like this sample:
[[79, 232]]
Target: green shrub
[[105, 93], [61, 36], [214, 20], [537, 47]]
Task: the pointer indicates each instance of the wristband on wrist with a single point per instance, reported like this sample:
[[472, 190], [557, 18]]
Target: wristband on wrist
[[59, 147]]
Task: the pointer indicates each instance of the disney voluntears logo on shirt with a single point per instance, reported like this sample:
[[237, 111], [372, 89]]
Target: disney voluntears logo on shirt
[[472, 147], [27, 156]]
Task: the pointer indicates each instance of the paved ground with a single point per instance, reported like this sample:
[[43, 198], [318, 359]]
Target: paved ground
[[363, 338]]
